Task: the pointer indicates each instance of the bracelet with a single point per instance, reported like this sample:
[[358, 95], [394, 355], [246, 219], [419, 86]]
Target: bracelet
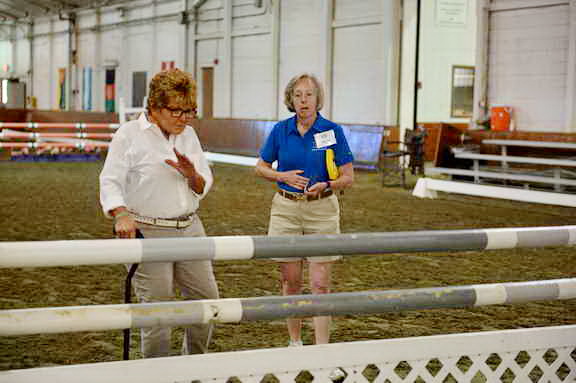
[[123, 213]]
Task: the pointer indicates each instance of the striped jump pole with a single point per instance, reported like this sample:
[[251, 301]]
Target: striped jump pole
[[120, 251], [47, 145], [234, 310], [7, 133], [58, 125]]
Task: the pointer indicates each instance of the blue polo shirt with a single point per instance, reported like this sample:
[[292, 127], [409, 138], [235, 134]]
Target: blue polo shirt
[[296, 152]]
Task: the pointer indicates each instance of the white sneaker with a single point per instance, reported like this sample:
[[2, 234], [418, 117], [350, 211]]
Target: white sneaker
[[295, 343], [337, 375]]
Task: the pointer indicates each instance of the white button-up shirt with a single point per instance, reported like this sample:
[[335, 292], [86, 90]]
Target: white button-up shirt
[[136, 176]]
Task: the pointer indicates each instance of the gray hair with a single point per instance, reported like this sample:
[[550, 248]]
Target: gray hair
[[289, 91]]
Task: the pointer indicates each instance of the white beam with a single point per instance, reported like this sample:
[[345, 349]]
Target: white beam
[[427, 188]]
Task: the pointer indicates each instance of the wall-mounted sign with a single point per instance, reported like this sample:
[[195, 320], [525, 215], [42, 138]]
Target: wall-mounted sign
[[451, 12]]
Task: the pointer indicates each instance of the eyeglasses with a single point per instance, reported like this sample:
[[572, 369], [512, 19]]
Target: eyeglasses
[[177, 113]]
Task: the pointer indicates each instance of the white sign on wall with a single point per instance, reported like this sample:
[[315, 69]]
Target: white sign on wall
[[451, 12]]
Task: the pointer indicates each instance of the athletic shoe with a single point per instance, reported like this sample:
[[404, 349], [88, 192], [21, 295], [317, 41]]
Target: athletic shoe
[[337, 375]]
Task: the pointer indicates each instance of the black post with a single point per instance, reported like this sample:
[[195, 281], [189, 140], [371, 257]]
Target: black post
[[416, 64]]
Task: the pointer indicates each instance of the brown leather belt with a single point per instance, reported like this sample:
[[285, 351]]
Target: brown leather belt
[[304, 197]]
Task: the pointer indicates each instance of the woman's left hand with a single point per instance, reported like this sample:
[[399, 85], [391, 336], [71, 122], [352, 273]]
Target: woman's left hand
[[184, 165], [188, 171]]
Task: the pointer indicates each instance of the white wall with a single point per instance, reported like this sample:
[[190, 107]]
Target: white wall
[[237, 39], [352, 46], [444, 41], [251, 60], [300, 44], [527, 60]]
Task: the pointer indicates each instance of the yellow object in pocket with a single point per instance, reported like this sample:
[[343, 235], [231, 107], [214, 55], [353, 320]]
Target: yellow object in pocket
[[331, 165]]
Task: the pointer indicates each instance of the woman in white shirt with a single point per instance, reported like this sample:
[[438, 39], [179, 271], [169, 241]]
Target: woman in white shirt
[[153, 179]]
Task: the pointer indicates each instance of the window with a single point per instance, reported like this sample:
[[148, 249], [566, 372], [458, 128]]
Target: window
[[462, 91], [138, 89]]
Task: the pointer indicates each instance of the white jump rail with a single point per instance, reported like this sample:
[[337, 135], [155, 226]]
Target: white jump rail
[[10, 134], [59, 125], [428, 188], [235, 310], [120, 251], [471, 357], [79, 144]]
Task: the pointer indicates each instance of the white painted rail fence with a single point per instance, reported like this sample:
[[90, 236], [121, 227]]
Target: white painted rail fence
[[527, 355]]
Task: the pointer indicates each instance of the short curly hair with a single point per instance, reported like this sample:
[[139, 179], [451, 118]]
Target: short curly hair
[[171, 84], [289, 91]]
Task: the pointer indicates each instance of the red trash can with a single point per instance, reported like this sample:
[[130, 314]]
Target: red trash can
[[500, 117]]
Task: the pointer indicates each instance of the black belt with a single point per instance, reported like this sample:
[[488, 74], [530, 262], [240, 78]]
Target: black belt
[[304, 197]]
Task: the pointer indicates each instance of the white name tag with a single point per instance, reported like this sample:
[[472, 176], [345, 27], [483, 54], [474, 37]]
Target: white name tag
[[325, 139]]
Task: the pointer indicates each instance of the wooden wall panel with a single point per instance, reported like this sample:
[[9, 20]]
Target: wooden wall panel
[[246, 137]]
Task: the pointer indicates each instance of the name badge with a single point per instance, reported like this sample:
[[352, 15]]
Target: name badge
[[325, 139]]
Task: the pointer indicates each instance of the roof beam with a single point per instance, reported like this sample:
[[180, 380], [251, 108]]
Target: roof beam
[[9, 15], [63, 4], [37, 5], [14, 6]]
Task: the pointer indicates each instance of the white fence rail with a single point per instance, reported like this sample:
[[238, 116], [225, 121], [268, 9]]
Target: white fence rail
[[523, 356]]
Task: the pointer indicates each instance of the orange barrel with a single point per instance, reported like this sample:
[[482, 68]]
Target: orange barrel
[[500, 117]]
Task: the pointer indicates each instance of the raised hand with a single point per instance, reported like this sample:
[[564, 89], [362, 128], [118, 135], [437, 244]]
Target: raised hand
[[184, 165], [186, 168]]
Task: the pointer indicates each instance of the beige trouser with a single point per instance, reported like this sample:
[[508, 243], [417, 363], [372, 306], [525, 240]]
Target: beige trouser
[[154, 282], [289, 217]]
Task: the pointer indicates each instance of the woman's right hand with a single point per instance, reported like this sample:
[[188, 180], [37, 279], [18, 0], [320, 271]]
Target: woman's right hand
[[294, 179], [125, 227]]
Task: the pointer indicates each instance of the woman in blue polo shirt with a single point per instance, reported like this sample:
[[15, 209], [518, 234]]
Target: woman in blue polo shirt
[[305, 202]]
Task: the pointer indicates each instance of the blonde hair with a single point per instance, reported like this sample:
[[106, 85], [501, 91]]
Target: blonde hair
[[171, 84], [289, 91]]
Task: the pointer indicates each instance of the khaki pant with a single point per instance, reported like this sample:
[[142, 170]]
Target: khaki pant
[[155, 282], [289, 217]]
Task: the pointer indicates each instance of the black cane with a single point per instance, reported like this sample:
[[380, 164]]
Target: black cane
[[128, 299]]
